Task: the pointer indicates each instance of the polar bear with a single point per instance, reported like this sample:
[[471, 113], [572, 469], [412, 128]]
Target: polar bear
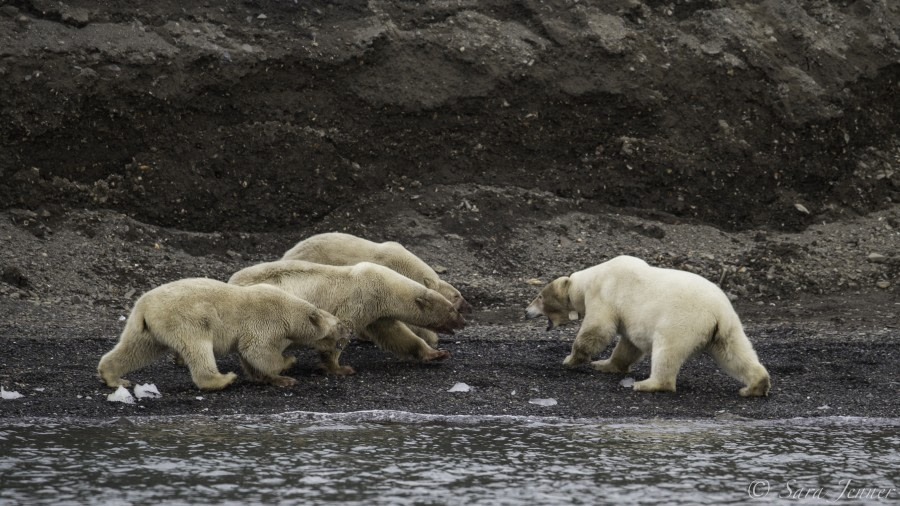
[[335, 248], [370, 299], [667, 313], [201, 318]]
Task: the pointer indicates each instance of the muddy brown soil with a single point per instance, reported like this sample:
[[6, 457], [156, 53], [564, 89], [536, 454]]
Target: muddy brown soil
[[506, 143]]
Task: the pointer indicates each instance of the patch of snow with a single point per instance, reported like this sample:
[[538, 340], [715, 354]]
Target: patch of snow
[[9, 395], [460, 387], [121, 395], [146, 390]]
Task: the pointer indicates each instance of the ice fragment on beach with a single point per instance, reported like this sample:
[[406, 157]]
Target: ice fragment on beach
[[121, 395], [122, 318], [460, 387], [7, 395], [543, 402], [146, 390], [627, 382], [824, 407]]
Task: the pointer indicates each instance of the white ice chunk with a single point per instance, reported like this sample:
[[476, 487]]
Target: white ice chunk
[[627, 382], [122, 318], [460, 387], [824, 407], [121, 395], [146, 390], [7, 395], [543, 402]]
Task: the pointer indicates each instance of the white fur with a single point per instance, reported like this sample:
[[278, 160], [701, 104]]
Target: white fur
[[371, 299], [667, 313], [202, 318]]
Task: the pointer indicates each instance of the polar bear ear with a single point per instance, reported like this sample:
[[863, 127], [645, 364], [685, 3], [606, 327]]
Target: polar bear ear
[[429, 283], [315, 318], [423, 302]]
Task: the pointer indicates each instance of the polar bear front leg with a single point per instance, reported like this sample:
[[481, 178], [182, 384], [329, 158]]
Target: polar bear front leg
[[395, 337], [594, 335], [428, 336], [328, 361], [201, 361], [624, 354]]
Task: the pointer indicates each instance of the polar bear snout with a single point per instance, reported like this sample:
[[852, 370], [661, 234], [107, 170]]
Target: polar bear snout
[[535, 309], [453, 323], [462, 305]]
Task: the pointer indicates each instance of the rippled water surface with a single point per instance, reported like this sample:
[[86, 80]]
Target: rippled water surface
[[397, 458]]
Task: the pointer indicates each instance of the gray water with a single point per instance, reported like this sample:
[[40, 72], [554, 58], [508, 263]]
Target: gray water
[[400, 458]]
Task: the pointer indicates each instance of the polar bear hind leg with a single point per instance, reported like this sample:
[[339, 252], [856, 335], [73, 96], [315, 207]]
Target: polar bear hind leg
[[665, 362], [735, 355], [623, 356], [136, 349]]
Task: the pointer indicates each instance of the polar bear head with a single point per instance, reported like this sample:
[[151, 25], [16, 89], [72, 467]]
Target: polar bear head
[[554, 303], [329, 333], [436, 313], [450, 293]]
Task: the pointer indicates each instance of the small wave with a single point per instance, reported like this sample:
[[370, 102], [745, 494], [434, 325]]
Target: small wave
[[407, 417]]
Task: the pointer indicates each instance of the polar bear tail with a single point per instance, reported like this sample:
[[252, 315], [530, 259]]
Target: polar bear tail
[[736, 356], [136, 348]]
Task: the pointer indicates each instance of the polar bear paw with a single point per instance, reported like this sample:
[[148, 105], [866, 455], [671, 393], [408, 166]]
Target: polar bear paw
[[119, 383], [652, 385], [433, 355], [608, 366], [574, 360], [283, 381], [340, 370]]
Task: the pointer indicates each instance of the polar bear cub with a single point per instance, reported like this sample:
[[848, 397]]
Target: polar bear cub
[[667, 313], [370, 299], [201, 318]]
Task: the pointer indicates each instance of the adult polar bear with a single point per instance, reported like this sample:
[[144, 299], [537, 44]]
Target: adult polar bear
[[668, 313], [336, 248], [200, 318], [369, 298]]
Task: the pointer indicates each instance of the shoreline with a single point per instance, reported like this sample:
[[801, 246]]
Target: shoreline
[[819, 368]]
